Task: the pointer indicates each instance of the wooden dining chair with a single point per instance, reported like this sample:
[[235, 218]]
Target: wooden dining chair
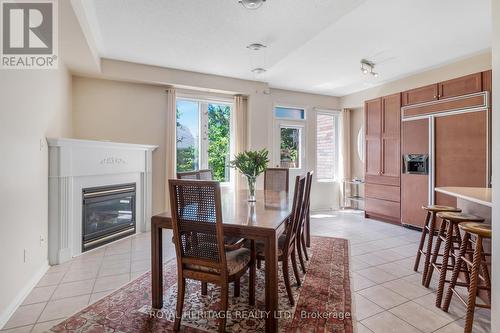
[[276, 179], [199, 243], [286, 242], [188, 175], [301, 235], [205, 174]]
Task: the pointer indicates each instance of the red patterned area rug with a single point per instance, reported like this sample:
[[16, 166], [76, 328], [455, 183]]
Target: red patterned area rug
[[323, 302]]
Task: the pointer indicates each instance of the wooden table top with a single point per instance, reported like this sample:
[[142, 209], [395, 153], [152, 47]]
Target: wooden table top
[[269, 211]]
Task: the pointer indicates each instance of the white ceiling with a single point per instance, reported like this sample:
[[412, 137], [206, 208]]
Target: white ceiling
[[313, 45]]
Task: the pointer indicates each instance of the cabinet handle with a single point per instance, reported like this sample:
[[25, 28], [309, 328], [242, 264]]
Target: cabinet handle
[[435, 96]]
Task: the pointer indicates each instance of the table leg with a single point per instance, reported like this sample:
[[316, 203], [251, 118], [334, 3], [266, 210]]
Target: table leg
[[271, 283], [157, 266]]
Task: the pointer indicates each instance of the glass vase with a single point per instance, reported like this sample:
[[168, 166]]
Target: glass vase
[[251, 188]]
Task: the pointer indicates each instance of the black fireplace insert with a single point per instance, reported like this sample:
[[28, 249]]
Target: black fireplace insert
[[108, 214]]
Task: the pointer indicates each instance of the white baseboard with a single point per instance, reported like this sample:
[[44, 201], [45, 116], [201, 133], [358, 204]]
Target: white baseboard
[[18, 300]]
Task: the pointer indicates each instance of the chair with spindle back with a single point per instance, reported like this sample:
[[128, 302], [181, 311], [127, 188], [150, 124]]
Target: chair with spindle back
[[287, 241], [301, 236], [199, 243], [276, 179]]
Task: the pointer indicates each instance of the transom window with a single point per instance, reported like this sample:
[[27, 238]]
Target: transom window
[[282, 112], [204, 137]]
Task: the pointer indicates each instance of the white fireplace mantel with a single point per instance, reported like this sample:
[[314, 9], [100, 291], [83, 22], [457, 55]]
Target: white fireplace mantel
[[78, 164]]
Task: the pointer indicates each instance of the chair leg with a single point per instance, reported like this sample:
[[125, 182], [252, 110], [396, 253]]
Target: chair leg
[[181, 289], [223, 306], [428, 251], [204, 288], [251, 281], [304, 247], [259, 263], [422, 242], [444, 264], [295, 268], [237, 288], [299, 252], [286, 277], [471, 300], [437, 247], [456, 271]]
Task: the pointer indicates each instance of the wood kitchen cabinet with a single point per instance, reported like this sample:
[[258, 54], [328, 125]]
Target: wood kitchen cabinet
[[382, 166], [420, 95], [463, 85]]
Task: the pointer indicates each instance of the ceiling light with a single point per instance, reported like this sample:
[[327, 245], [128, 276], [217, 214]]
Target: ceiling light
[[367, 67], [258, 70], [256, 46], [251, 4]]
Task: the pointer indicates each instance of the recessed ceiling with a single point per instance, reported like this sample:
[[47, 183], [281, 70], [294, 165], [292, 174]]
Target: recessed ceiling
[[312, 46]]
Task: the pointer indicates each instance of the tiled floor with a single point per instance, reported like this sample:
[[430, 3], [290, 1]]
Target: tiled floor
[[387, 293]]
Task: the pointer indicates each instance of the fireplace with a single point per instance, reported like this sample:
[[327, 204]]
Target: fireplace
[[108, 214]]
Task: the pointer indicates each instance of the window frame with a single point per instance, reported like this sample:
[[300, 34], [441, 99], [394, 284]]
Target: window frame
[[336, 115], [203, 102]]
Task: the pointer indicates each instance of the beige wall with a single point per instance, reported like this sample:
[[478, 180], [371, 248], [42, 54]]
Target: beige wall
[[478, 63], [123, 112], [357, 122], [134, 112], [495, 316], [35, 104]]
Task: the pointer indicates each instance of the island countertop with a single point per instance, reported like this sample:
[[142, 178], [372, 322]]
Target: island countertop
[[479, 195]]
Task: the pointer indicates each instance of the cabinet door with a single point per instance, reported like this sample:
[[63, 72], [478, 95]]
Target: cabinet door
[[420, 95], [373, 128], [461, 86], [391, 129]]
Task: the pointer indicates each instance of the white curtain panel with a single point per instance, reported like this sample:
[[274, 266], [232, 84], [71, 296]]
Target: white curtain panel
[[170, 142], [345, 148], [241, 132]]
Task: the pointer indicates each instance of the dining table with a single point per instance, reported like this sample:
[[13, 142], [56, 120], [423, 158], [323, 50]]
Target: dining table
[[263, 220]]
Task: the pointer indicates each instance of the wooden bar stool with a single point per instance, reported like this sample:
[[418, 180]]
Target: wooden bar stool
[[478, 231], [450, 234], [429, 228]]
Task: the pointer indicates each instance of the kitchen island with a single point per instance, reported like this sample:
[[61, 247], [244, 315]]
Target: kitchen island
[[472, 200]]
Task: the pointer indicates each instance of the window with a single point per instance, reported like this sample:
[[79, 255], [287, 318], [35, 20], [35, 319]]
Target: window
[[326, 145], [289, 113], [290, 147], [204, 137]]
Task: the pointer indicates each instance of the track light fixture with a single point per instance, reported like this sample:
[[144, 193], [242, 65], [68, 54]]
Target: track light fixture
[[367, 67]]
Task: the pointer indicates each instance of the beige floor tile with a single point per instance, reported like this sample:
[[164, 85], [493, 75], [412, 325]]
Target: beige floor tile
[[51, 279], [45, 326], [97, 296], [115, 268], [80, 275], [426, 320], [23, 329], [362, 328], [71, 289], [407, 289], [111, 282], [456, 310], [397, 268], [65, 307], [141, 266], [383, 297], [39, 294], [360, 282], [386, 322], [377, 275], [365, 308], [25, 315], [372, 259]]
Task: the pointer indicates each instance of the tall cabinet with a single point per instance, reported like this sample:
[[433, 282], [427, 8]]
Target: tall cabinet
[[382, 167]]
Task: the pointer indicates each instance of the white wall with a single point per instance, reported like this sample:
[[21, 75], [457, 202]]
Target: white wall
[[495, 316], [35, 104]]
